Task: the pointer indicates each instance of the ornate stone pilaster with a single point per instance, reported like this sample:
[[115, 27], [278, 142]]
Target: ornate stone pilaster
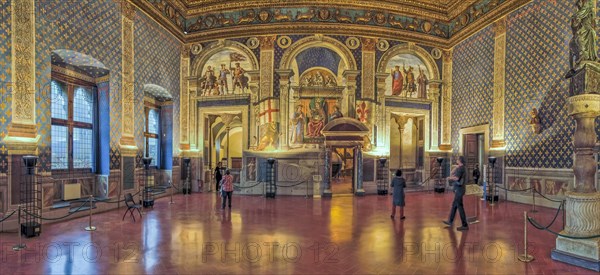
[[434, 94], [254, 121], [284, 108], [267, 59], [184, 100], [499, 83], [127, 142], [446, 100], [381, 118], [368, 68], [584, 109], [350, 92], [22, 137]]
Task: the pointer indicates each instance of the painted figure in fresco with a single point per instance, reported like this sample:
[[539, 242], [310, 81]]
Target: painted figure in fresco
[[336, 113], [536, 185], [583, 45], [223, 89], [308, 80], [270, 137], [517, 184], [410, 80], [319, 81], [239, 79], [251, 172], [422, 81], [397, 79], [315, 125], [209, 81], [329, 82], [297, 123]]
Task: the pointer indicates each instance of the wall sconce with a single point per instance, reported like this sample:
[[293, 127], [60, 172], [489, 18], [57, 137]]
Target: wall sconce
[[534, 123]]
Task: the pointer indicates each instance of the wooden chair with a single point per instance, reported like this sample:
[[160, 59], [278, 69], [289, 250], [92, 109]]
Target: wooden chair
[[131, 205]]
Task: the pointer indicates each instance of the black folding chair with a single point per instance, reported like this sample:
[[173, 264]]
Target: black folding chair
[[131, 205]]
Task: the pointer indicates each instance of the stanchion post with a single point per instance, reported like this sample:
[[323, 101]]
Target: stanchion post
[[171, 184], [525, 257], [20, 246], [90, 227], [141, 191]]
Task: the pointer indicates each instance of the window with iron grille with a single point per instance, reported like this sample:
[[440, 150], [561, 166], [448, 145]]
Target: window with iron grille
[[151, 134]]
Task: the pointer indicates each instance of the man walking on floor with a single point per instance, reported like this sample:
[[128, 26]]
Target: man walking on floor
[[456, 177]]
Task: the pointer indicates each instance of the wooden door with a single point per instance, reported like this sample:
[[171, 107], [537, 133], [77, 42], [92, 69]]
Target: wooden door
[[471, 154]]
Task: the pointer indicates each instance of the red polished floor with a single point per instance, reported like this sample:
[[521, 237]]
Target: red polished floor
[[290, 235]]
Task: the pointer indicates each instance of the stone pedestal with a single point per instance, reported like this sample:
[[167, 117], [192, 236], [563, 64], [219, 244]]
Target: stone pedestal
[[582, 206], [583, 219]]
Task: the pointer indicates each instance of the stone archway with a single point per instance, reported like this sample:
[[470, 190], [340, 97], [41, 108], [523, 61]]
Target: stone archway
[[345, 132]]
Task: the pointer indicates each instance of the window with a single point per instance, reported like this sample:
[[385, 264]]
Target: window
[[72, 124], [151, 135]]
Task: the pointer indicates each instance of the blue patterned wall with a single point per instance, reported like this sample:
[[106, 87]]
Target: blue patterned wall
[[537, 54], [472, 82], [157, 61], [5, 79], [89, 27]]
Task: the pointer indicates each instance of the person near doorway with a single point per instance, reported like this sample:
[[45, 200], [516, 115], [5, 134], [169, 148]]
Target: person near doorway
[[456, 177], [227, 188], [398, 183], [218, 177], [476, 174]]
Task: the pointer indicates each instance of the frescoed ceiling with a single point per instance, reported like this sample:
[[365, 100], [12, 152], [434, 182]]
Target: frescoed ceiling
[[442, 23]]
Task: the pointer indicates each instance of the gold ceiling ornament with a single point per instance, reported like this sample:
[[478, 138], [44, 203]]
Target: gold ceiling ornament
[[436, 53], [383, 45], [284, 41], [264, 16], [196, 48], [352, 43], [252, 43]]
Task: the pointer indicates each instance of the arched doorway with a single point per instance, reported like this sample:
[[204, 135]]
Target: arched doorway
[[344, 139]]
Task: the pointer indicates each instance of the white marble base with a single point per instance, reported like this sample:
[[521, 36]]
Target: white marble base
[[588, 248]]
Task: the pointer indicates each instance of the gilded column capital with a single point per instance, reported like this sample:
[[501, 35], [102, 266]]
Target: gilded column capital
[[368, 44], [127, 9], [267, 42], [500, 26]]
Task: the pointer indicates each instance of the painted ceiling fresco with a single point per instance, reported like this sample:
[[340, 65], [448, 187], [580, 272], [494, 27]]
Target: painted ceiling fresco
[[436, 19]]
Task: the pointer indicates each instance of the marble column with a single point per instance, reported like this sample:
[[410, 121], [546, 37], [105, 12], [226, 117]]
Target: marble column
[[583, 204], [22, 137], [360, 191], [327, 174], [433, 94], [284, 108], [401, 121]]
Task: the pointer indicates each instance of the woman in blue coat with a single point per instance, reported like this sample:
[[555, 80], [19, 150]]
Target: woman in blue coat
[[398, 183]]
